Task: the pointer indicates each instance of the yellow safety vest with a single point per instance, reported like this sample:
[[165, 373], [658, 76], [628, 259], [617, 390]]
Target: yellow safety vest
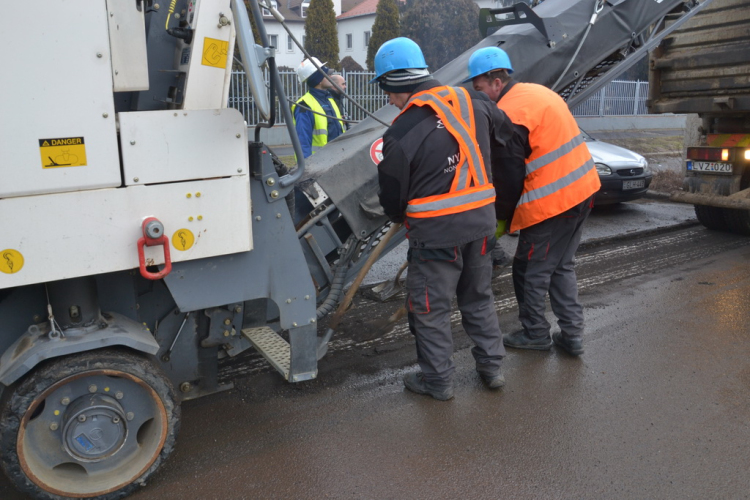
[[320, 126]]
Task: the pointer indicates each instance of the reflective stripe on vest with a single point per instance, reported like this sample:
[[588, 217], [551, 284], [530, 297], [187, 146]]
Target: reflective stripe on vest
[[470, 188], [320, 124], [560, 172]]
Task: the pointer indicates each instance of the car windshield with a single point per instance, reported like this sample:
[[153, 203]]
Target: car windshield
[[586, 136]]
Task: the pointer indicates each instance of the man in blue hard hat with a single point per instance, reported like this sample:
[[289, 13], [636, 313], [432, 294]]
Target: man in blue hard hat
[[315, 113], [435, 178], [547, 198]]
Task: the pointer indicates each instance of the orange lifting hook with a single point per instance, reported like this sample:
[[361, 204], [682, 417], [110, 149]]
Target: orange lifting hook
[[153, 235]]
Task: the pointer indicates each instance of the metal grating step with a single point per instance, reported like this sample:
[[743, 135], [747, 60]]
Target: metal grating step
[[274, 348]]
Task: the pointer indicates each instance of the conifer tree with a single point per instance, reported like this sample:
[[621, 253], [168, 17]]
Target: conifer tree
[[386, 27], [442, 28], [322, 40]]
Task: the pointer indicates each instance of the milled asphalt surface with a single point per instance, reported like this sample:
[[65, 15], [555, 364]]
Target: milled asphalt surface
[[657, 407]]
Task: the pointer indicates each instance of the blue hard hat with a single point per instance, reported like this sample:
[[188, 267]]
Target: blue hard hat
[[488, 59], [398, 53]]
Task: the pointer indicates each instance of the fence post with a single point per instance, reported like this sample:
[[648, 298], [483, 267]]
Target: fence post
[[601, 101], [636, 99]]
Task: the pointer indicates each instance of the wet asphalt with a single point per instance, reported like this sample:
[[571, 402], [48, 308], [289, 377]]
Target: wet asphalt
[[657, 407]]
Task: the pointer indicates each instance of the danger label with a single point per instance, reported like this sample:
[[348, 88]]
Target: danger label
[[63, 152], [215, 53]]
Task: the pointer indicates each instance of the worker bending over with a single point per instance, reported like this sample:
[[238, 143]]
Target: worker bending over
[[548, 202], [433, 177], [314, 127]]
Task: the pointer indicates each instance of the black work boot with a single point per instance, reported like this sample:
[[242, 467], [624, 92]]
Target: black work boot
[[415, 382], [493, 381], [520, 340], [500, 260], [572, 346]]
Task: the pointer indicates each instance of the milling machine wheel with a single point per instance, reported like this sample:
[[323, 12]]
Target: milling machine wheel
[[738, 221], [711, 217], [95, 424]]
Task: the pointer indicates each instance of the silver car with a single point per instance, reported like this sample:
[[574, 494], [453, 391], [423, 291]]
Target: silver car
[[625, 175]]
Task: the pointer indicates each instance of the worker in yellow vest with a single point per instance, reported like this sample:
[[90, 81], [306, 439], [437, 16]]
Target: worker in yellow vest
[[315, 113], [433, 177], [548, 199]]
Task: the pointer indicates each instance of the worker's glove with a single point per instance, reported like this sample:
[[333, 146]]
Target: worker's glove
[[501, 226]]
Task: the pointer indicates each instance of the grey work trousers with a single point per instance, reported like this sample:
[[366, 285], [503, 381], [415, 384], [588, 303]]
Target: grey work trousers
[[545, 262], [435, 277]]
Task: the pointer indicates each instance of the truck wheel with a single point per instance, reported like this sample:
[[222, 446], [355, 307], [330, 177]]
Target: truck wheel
[[738, 220], [95, 424], [711, 217]]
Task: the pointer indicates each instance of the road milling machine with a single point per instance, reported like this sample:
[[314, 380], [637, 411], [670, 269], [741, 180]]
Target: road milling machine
[[147, 234]]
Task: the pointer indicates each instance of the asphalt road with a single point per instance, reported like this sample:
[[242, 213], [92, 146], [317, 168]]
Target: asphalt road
[[657, 407]]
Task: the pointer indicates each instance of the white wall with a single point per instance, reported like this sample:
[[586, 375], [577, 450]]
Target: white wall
[[356, 26], [285, 57]]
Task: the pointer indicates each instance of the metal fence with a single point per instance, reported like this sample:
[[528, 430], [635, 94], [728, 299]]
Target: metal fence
[[617, 98]]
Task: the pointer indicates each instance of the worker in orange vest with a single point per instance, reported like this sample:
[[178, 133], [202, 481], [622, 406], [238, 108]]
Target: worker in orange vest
[[433, 178], [548, 202]]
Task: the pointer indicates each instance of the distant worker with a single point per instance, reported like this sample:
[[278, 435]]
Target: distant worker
[[339, 97], [314, 127], [433, 178], [548, 202]]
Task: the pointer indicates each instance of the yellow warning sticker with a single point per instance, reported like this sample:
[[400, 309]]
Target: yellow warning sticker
[[215, 53], [183, 239], [11, 261], [63, 152]]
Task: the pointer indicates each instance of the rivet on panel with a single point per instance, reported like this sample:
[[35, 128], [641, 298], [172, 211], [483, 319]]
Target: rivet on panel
[[92, 388], [136, 179], [188, 195], [190, 219], [307, 297], [200, 217], [238, 136], [278, 216], [132, 143], [105, 115], [294, 325], [274, 194], [198, 194], [312, 320], [258, 218], [288, 301], [239, 170], [53, 426], [99, 55]]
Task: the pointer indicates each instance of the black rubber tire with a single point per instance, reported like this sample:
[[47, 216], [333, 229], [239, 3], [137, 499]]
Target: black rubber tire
[[711, 217], [738, 221], [18, 398]]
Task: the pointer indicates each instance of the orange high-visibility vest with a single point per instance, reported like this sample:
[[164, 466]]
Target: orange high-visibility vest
[[470, 188], [560, 172]]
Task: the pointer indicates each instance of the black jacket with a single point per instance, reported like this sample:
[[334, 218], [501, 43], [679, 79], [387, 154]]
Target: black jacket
[[419, 160]]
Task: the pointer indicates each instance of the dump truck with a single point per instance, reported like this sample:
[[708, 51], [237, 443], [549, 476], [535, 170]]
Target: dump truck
[[704, 68], [148, 234]]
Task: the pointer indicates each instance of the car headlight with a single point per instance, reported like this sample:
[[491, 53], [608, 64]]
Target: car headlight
[[644, 163], [603, 169]]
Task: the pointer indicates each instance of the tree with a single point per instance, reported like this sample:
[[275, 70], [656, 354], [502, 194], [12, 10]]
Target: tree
[[322, 39], [442, 28], [386, 27]]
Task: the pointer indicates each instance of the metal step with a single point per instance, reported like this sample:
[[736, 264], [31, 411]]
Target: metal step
[[270, 344]]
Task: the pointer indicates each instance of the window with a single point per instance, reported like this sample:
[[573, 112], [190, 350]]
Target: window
[[304, 41], [348, 41], [289, 44], [273, 40], [303, 9], [267, 12], [367, 39]]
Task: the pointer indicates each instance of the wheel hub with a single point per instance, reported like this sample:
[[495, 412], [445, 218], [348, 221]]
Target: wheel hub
[[94, 428]]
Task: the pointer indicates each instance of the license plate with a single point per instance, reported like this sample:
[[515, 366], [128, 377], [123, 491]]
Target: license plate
[[709, 166], [639, 184]]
